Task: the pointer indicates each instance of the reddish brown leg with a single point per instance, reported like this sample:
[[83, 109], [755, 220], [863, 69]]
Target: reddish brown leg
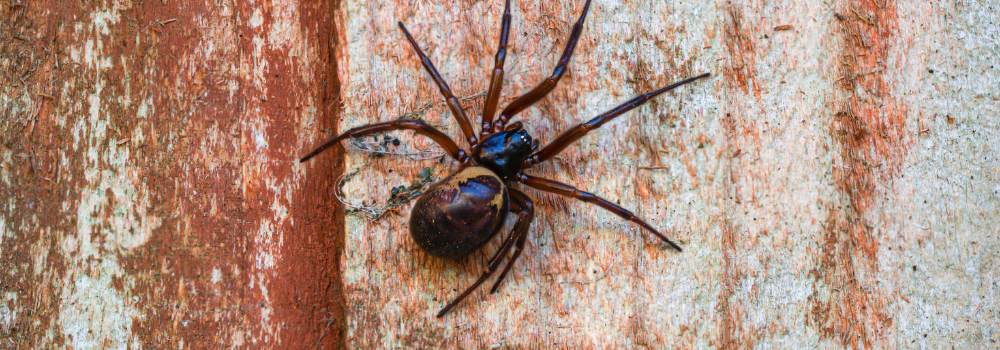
[[526, 215], [514, 126], [456, 108], [549, 83], [492, 266], [571, 135], [415, 125], [496, 81], [525, 209], [517, 253], [570, 191]]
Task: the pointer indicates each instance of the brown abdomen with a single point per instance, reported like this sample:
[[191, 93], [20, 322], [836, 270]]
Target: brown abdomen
[[459, 214]]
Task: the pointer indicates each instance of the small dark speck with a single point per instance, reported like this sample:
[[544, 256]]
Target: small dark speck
[[263, 100], [765, 36], [262, 304], [275, 75], [395, 142], [914, 267], [930, 71]]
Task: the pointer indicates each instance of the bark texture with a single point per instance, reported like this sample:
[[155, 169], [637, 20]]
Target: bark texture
[[835, 183]]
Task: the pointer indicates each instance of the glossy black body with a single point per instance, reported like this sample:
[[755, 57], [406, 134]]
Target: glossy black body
[[504, 152], [458, 215]]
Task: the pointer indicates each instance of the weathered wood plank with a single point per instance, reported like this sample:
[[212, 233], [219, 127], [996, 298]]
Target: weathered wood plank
[[151, 197], [835, 183], [784, 174]]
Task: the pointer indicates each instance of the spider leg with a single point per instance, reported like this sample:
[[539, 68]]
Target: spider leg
[[536, 94], [527, 215], [496, 80], [415, 125], [572, 134], [504, 248], [456, 108], [570, 191], [492, 266], [525, 209], [514, 126]]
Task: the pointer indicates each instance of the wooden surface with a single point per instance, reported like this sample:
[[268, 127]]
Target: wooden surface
[[835, 184]]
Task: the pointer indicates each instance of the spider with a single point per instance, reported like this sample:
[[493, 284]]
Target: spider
[[459, 214]]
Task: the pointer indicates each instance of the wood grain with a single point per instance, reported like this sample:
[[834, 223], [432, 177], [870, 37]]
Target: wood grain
[[834, 184]]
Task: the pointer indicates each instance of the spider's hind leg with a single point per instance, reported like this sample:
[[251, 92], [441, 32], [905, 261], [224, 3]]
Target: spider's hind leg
[[415, 125], [525, 209], [526, 215]]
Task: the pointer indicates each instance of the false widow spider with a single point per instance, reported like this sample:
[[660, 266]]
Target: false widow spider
[[462, 212]]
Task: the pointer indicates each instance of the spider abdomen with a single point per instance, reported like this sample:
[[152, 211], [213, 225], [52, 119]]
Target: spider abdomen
[[458, 215]]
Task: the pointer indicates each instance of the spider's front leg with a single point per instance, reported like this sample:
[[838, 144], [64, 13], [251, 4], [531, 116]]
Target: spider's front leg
[[547, 85], [449, 97], [496, 79], [525, 209], [575, 133], [415, 125]]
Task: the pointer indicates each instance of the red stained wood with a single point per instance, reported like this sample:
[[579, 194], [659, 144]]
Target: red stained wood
[[833, 183]]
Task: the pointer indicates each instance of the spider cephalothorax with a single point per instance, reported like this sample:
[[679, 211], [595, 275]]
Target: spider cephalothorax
[[461, 213], [504, 152]]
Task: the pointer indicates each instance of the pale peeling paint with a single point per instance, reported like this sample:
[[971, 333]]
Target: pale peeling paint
[[257, 18], [277, 28], [93, 314], [268, 248], [131, 223], [5, 232], [5, 173], [8, 312]]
